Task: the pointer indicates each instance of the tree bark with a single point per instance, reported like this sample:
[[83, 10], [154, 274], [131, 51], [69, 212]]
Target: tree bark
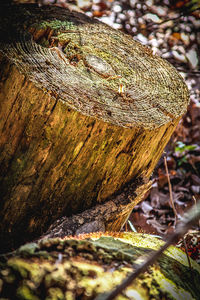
[[85, 113]]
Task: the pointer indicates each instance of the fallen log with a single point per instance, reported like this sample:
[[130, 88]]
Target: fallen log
[[92, 265], [102, 266], [85, 113]]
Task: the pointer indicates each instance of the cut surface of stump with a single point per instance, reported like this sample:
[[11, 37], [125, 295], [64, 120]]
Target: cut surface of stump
[[85, 111]]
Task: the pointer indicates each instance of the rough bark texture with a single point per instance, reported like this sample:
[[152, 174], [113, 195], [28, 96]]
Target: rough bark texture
[[94, 264], [85, 111], [108, 216]]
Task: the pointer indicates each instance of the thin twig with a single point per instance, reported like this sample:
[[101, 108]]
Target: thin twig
[[131, 226], [186, 251], [195, 202], [188, 257], [188, 220], [170, 190], [154, 26]]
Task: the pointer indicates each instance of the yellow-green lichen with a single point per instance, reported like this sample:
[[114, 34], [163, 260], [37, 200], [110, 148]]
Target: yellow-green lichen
[[168, 286], [23, 292], [55, 294], [55, 24]]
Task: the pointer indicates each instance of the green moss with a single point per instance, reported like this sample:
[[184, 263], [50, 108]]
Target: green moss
[[55, 24], [56, 277], [24, 293], [86, 268], [55, 294], [170, 288], [69, 295], [28, 249], [19, 266]]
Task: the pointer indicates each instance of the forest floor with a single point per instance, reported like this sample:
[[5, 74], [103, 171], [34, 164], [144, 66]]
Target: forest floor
[[172, 31]]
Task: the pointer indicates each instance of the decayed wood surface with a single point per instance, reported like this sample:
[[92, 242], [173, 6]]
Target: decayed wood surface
[[92, 265], [109, 216], [85, 111]]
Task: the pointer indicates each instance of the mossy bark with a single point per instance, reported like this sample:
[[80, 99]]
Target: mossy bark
[[93, 265], [85, 111]]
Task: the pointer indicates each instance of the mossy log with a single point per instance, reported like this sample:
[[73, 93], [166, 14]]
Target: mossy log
[[85, 111], [92, 265]]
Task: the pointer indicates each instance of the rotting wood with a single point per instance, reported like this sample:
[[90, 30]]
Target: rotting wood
[[84, 111], [101, 217], [188, 220], [92, 265]]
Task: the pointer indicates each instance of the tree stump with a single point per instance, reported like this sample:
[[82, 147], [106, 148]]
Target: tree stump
[[85, 113]]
